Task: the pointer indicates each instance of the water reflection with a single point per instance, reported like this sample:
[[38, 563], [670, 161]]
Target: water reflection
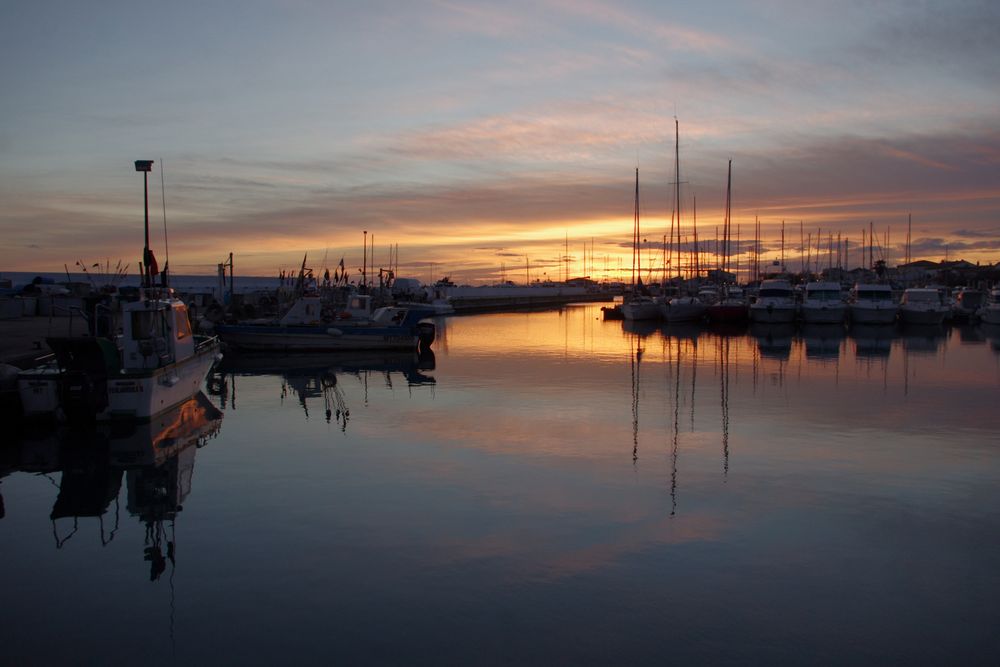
[[923, 339], [822, 341], [154, 459], [991, 332], [872, 341], [314, 377], [773, 340]]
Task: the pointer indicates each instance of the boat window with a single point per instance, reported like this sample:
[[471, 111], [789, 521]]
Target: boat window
[[182, 325], [146, 324], [778, 292]]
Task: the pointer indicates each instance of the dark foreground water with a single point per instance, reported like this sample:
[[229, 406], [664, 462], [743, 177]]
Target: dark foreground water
[[548, 489]]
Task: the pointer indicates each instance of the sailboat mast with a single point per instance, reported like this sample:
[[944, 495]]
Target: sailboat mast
[[697, 253], [677, 184], [726, 224], [636, 265]]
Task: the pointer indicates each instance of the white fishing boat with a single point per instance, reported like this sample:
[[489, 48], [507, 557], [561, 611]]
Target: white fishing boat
[[154, 364], [822, 303], [990, 312], [872, 304], [922, 305], [775, 303]]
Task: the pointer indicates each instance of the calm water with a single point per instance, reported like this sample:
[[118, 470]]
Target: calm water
[[548, 489]]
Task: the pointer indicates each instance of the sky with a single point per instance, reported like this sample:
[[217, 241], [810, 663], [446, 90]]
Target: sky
[[493, 140]]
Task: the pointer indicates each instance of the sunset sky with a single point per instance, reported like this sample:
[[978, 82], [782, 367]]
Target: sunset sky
[[479, 135]]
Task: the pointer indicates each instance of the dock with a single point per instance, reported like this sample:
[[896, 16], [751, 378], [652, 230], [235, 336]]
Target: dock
[[22, 339]]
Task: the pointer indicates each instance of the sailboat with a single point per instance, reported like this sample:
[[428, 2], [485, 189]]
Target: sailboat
[[154, 364], [638, 304], [732, 304], [681, 307]]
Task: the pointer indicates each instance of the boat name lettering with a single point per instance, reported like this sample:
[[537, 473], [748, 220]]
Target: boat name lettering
[[126, 388]]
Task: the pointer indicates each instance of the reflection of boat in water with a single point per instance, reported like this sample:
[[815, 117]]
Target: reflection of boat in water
[[822, 341], [773, 340], [641, 328], [315, 376], [156, 460], [923, 338], [872, 340], [410, 364], [992, 334]]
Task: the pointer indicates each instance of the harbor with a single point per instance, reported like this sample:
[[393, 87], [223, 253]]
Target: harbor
[[500, 334]]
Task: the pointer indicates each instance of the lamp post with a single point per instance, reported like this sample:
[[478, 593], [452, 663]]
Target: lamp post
[[146, 166]]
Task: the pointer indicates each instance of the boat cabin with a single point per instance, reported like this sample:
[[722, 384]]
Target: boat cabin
[[156, 332]]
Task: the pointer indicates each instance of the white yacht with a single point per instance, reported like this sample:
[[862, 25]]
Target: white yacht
[[775, 302], [822, 303], [922, 305], [872, 304]]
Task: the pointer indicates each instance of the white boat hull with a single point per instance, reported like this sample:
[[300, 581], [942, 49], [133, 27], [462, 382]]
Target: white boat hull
[[829, 314], [135, 395], [683, 310], [641, 310], [873, 314]]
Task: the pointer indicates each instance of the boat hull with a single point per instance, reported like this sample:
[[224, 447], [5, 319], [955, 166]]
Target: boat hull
[[989, 315], [138, 395], [683, 310], [722, 312], [316, 339], [918, 315], [873, 314], [772, 313], [823, 314], [641, 310]]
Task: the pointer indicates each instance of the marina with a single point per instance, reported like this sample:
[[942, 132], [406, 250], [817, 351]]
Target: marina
[[410, 368], [546, 467]]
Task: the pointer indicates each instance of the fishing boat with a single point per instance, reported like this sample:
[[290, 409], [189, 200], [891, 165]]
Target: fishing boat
[[775, 303], [990, 312], [922, 305], [154, 364], [872, 304], [304, 328], [822, 303]]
